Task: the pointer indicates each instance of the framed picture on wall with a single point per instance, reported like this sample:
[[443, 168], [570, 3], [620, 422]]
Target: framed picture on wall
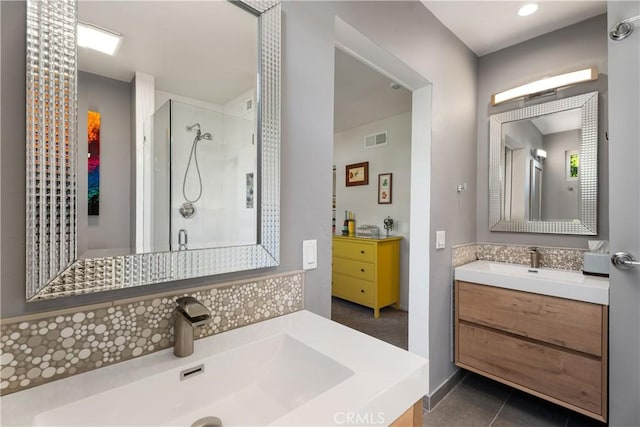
[[357, 174], [93, 162], [384, 188]]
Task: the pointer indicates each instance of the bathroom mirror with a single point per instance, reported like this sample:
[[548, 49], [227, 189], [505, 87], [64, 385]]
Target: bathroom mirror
[[543, 174], [159, 162]]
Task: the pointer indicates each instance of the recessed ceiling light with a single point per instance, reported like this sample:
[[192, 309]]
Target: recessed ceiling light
[[97, 38], [528, 9]]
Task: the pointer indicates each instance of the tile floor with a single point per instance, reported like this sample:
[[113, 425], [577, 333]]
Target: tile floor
[[391, 326], [480, 402]]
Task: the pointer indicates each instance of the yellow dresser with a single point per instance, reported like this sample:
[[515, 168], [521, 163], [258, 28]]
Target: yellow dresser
[[367, 271]]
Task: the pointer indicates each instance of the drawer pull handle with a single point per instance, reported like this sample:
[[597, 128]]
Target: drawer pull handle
[[362, 252], [362, 269], [362, 291]]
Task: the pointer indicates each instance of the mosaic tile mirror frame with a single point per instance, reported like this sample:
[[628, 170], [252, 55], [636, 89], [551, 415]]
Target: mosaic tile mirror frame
[[585, 218], [53, 268]]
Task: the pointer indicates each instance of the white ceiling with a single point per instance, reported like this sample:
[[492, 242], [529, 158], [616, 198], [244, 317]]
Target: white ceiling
[[362, 95], [559, 122], [202, 49], [488, 26]]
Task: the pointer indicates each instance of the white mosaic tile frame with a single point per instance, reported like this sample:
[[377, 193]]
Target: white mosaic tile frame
[[588, 103], [39, 348], [52, 268]]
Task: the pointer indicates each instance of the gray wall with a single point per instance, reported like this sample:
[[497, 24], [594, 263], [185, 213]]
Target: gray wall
[[405, 29], [112, 99], [558, 202], [581, 45]]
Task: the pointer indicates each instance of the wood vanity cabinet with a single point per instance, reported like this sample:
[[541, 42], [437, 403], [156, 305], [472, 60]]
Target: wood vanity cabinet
[[366, 271], [412, 417], [551, 347]]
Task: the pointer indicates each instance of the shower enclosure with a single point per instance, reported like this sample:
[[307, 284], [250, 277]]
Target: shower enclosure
[[199, 177]]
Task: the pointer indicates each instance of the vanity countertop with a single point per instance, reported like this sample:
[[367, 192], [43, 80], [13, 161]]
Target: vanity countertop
[[371, 379], [558, 283]]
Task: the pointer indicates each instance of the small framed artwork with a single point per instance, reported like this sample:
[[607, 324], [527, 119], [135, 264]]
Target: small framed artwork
[[384, 188], [357, 174]]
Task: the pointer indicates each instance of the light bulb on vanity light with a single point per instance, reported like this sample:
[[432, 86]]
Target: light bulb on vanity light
[[541, 154]]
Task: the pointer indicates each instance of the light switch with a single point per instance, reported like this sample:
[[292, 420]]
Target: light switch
[[309, 254], [440, 239]]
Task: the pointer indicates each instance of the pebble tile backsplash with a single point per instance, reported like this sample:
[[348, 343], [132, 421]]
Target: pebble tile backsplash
[[559, 258], [44, 347]]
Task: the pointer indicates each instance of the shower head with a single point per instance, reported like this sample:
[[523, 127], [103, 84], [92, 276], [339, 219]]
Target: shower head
[[206, 136], [195, 126]]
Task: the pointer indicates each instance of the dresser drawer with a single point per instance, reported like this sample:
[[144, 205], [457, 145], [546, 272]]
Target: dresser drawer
[[359, 251], [562, 375], [567, 323], [352, 289], [357, 269]]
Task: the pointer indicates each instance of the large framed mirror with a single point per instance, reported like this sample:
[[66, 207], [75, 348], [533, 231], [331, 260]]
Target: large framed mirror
[[543, 167], [153, 155]]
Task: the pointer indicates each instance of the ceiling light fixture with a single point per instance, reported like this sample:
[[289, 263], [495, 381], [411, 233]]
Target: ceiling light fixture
[[548, 83], [528, 9], [541, 154], [97, 38]]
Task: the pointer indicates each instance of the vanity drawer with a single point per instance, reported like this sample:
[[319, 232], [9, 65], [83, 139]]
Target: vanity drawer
[[567, 323], [359, 251], [357, 269], [352, 289], [563, 375]]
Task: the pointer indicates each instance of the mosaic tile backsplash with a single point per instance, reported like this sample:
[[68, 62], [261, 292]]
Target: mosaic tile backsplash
[[559, 258], [40, 348], [463, 254]]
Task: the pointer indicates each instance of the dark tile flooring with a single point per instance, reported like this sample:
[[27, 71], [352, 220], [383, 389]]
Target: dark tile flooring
[[480, 402], [474, 402], [391, 326]]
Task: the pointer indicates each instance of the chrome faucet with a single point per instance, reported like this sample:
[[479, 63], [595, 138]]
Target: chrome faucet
[[534, 254], [190, 313]]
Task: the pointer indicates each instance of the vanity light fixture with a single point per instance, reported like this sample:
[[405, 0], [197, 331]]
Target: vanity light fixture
[[528, 9], [546, 84], [98, 38]]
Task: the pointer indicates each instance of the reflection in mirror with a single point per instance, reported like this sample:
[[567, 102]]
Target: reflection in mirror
[[188, 183], [164, 159], [543, 167], [539, 185]]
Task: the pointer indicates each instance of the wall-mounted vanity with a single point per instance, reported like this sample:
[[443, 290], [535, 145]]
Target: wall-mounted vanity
[[157, 163], [541, 331]]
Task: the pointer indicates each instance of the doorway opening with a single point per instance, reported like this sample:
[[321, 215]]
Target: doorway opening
[[372, 183], [416, 260]]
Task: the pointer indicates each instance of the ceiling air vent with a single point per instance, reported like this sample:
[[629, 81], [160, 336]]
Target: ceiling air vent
[[375, 140]]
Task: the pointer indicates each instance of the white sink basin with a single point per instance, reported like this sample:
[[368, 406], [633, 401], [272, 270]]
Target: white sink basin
[[251, 385], [560, 283], [299, 369]]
